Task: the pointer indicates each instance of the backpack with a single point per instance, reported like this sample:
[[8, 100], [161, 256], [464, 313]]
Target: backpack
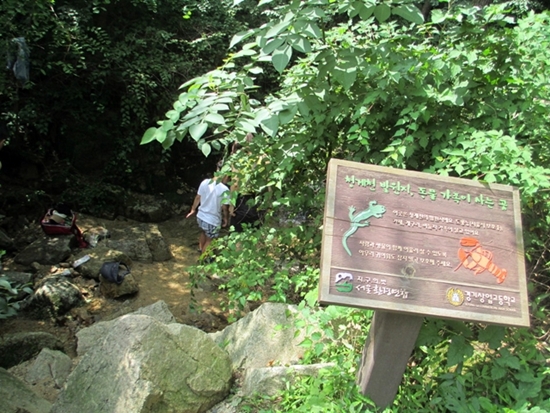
[[112, 272]]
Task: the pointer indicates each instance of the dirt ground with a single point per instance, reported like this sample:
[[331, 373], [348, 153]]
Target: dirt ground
[[167, 281]]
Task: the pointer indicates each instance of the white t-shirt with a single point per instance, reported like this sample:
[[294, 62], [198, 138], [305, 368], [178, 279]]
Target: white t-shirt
[[213, 195]]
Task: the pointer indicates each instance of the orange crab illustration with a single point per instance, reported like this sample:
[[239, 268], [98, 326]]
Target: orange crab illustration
[[478, 259]]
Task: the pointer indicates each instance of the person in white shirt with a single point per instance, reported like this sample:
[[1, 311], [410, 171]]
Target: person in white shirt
[[213, 212]]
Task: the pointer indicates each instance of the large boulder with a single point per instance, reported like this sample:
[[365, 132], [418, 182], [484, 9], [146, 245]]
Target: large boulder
[[263, 337], [142, 365], [17, 397], [143, 242], [47, 250], [87, 338]]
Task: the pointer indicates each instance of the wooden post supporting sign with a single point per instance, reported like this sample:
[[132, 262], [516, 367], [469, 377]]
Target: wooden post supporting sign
[[410, 244]]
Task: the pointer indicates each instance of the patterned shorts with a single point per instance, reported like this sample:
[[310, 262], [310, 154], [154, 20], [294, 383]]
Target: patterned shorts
[[211, 231]]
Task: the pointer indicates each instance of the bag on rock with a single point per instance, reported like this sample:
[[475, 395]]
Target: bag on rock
[[112, 271]]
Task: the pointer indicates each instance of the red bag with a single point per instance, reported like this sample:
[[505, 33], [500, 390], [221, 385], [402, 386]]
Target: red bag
[[68, 227]]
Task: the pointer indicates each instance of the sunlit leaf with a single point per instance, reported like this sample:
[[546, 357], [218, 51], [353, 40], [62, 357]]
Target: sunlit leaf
[[270, 125], [148, 136], [272, 45], [382, 12], [409, 12], [214, 118], [198, 130], [240, 37], [206, 148], [281, 57]]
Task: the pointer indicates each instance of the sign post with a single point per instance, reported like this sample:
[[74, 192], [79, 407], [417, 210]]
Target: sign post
[[410, 244]]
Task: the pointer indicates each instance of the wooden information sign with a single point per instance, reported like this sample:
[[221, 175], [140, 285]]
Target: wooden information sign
[[422, 244]]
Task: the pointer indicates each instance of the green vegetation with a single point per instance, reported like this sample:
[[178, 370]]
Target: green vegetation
[[463, 94], [440, 87]]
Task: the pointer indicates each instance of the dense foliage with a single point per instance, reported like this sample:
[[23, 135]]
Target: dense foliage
[[100, 70], [464, 94]]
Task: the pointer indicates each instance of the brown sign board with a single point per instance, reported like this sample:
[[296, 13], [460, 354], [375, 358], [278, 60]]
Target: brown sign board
[[425, 244]]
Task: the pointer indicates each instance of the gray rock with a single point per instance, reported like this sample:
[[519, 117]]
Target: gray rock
[[159, 311], [5, 241], [112, 290], [99, 255], [143, 242], [49, 365], [257, 341], [17, 278], [158, 247], [17, 397], [89, 337], [142, 366], [135, 246], [19, 347], [46, 250], [56, 294]]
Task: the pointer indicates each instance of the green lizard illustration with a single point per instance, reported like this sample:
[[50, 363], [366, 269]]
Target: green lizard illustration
[[360, 220]]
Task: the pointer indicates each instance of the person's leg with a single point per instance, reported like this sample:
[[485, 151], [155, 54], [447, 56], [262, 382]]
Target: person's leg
[[208, 232], [207, 242], [202, 241]]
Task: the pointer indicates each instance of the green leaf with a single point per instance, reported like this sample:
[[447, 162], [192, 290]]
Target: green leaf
[[215, 118], [382, 12], [300, 43], [281, 57], [270, 125], [307, 343], [287, 115], [240, 37], [198, 130], [160, 135], [148, 136], [345, 76], [278, 28], [206, 149], [438, 16], [459, 349], [272, 45], [313, 30], [173, 115], [492, 335], [169, 141], [366, 12], [409, 12], [167, 125], [498, 372]]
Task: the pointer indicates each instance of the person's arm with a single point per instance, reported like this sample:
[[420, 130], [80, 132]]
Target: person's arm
[[196, 203], [225, 215]]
